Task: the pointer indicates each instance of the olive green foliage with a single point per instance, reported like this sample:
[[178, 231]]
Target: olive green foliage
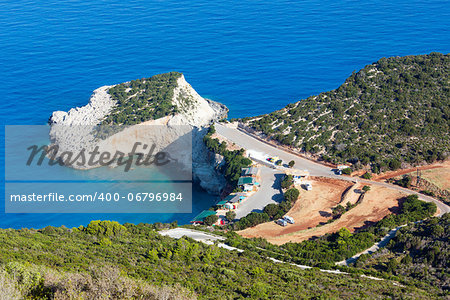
[[287, 181], [143, 99], [28, 281], [330, 248], [291, 164], [366, 188], [143, 258], [392, 111], [210, 220], [367, 175], [405, 181], [234, 160], [230, 215], [420, 252], [347, 171], [291, 194], [104, 228]]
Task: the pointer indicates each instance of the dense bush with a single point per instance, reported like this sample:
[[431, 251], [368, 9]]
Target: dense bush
[[287, 181], [234, 160]]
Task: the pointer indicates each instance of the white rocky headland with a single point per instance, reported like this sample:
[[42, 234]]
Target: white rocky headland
[[197, 113]]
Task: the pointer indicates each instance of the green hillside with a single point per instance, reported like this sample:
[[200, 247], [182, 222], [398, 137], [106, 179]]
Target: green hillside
[[392, 111], [106, 260], [419, 252]]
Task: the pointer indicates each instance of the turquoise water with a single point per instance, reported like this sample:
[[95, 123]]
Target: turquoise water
[[253, 56]]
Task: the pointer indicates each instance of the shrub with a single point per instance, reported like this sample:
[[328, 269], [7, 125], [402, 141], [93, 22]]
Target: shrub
[[291, 195], [347, 171], [287, 181], [210, 220], [230, 215], [367, 175]]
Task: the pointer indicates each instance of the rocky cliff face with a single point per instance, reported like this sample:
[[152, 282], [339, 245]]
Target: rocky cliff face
[[193, 112]]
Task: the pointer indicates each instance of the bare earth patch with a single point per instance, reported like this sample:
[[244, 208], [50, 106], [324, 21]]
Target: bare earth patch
[[392, 174], [311, 209], [439, 177]]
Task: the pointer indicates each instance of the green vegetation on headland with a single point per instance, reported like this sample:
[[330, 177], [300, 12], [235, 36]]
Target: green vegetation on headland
[[143, 99], [395, 110], [135, 262], [234, 160]]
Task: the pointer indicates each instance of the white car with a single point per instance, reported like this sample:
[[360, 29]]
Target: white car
[[289, 219], [281, 222]]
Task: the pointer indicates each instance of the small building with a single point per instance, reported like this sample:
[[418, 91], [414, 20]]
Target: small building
[[232, 199], [250, 171], [246, 180], [199, 219], [221, 203]]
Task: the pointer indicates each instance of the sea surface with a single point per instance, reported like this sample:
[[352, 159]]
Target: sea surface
[[253, 56]]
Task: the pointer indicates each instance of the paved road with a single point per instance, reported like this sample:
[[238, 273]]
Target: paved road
[[247, 142], [315, 169], [198, 236], [268, 192]]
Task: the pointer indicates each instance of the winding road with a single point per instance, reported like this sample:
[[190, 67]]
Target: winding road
[[266, 195]]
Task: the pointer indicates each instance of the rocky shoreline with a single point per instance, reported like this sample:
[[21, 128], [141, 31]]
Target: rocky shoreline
[[72, 130]]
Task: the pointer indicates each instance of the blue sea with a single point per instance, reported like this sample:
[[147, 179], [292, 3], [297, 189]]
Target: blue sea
[[253, 56]]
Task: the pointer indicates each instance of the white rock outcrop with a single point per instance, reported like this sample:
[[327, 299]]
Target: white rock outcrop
[[72, 130]]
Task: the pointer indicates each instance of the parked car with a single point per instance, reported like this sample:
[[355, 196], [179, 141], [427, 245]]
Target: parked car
[[281, 222], [289, 219], [338, 172]]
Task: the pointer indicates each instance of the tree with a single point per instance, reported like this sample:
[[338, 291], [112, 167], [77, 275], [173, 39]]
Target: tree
[[367, 175], [271, 209], [347, 171], [279, 162], [337, 211], [366, 188], [287, 181], [291, 195], [395, 164], [209, 220], [291, 163], [230, 215]]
